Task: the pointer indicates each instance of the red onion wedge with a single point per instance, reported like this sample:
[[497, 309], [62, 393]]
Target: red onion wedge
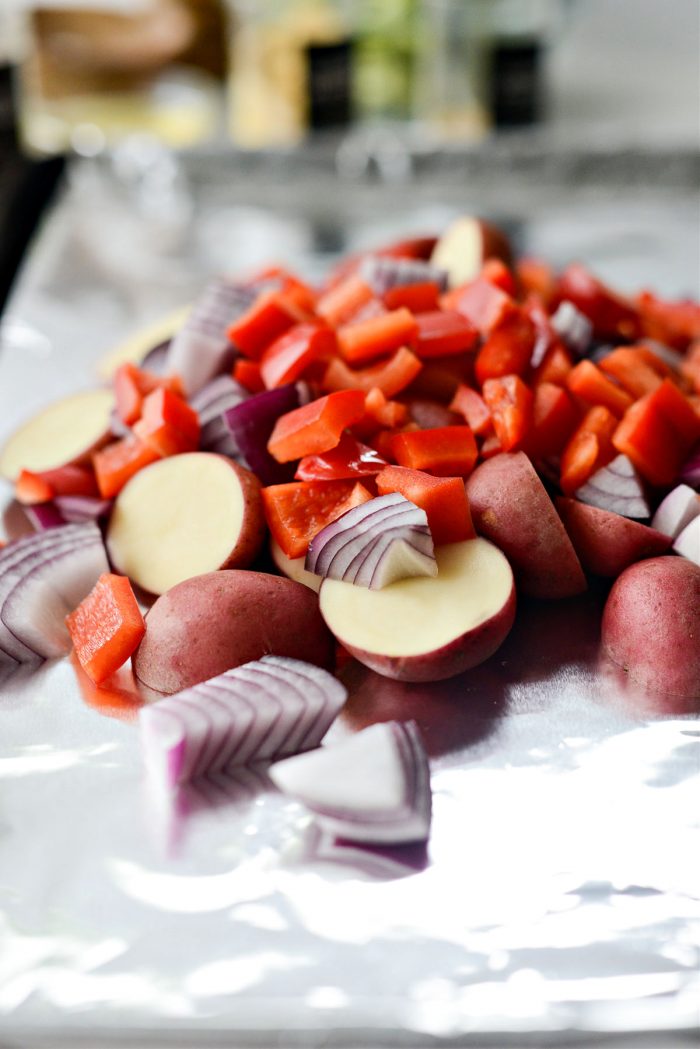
[[251, 422], [617, 487], [676, 511], [373, 787], [77, 509], [382, 273], [44, 516], [41, 583], [688, 542], [200, 350], [374, 544], [267, 709], [573, 328], [210, 404]]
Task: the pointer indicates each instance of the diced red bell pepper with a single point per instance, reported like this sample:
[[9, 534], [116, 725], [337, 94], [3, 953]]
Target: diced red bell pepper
[[418, 298], [673, 323], [444, 500], [347, 461], [340, 304], [168, 424], [106, 627], [536, 276], [472, 407], [247, 373], [382, 412], [631, 370], [555, 367], [286, 359], [297, 511], [555, 416], [132, 384], [390, 376], [444, 332], [546, 338], [611, 315], [377, 337], [481, 302], [508, 348], [116, 463], [32, 488], [315, 427], [497, 273], [271, 315], [690, 368], [589, 448], [446, 451], [658, 432], [588, 383], [509, 401]]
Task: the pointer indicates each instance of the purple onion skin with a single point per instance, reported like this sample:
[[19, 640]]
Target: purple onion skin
[[156, 358], [79, 508], [44, 516], [251, 423]]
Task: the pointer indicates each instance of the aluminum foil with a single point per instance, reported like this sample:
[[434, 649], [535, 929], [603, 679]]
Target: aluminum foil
[[558, 897]]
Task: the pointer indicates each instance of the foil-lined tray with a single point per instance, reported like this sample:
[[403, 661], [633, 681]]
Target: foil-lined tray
[[557, 901]]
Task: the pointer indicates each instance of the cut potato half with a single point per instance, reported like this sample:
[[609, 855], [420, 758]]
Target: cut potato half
[[293, 567], [464, 247], [183, 516], [65, 432], [134, 348], [427, 628]]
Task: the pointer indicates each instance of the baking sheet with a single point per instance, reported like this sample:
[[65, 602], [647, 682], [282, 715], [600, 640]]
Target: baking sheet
[[558, 898]]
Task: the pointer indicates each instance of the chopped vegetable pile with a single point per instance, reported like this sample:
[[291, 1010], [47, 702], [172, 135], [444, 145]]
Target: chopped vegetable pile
[[437, 427]]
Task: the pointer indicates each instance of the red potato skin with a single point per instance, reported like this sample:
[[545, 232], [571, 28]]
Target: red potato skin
[[606, 542], [219, 620], [510, 507], [651, 625], [254, 526], [461, 654]]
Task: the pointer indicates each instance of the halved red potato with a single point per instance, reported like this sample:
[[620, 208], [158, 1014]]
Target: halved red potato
[[510, 507], [464, 247], [427, 628], [607, 543], [67, 431], [210, 623], [183, 516]]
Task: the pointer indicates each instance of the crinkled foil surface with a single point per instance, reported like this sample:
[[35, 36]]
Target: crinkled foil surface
[[557, 900]]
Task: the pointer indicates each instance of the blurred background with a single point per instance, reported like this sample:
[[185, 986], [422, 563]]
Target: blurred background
[[572, 91]]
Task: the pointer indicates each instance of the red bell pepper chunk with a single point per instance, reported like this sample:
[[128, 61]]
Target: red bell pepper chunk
[[382, 412], [589, 447], [611, 315], [31, 488], [418, 298], [508, 347], [481, 302], [589, 383], [554, 419], [555, 366], [658, 432], [247, 373], [444, 500], [106, 627], [118, 462], [340, 304], [510, 402], [271, 315], [390, 376], [673, 323], [536, 276], [496, 272], [474, 410], [349, 460], [132, 384], [444, 332], [377, 337], [168, 425], [297, 511], [286, 359], [446, 451], [315, 427], [631, 370]]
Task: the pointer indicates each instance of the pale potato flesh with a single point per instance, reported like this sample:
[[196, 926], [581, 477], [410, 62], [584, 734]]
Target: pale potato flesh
[[59, 434], [422, 614], [293, 567], [177, 518], [460, 251]]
